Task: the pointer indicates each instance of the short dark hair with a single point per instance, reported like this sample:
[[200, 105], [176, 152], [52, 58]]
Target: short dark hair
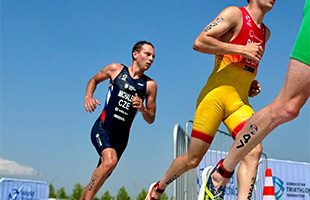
[[137, 47], [248, 1]]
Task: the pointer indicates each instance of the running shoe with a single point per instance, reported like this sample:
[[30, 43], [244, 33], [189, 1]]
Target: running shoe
[[149, 194], [207, 190]]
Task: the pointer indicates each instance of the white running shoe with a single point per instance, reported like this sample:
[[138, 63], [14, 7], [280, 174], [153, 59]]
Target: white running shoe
[[207, 190]]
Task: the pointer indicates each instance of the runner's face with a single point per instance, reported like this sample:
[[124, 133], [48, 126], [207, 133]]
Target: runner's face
[[145, 57]]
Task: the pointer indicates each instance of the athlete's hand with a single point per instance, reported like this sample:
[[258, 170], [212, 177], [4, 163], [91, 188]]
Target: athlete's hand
[[90, 104], [138, 103], [255, 89], [253, 51]]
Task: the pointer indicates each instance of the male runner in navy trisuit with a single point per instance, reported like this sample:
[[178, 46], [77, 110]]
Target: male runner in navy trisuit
[[127, 90]]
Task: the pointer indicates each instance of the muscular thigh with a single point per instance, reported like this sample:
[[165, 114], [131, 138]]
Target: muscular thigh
[[208, 116], [296, 86], [102, 139], [223, 103], [236, 120]]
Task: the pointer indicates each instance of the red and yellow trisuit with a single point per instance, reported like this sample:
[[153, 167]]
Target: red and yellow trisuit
[[225, 96]]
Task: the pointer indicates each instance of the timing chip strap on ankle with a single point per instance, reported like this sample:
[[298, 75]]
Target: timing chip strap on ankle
[[156, 188], [220, 168]]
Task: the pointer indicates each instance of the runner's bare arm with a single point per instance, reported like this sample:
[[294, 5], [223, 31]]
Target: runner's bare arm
[[215, 37], [148, 111], [108, 72]]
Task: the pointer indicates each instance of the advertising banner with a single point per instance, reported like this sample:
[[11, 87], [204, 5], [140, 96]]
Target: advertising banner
[[291, 180], [15, 189]]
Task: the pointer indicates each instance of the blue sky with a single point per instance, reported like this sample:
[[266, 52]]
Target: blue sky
[[51, 48]]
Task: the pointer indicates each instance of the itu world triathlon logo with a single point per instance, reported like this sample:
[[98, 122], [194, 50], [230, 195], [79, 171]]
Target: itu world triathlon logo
[[22, 193], [278, 187]]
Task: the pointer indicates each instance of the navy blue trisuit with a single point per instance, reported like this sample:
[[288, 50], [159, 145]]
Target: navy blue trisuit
[[111, 129]]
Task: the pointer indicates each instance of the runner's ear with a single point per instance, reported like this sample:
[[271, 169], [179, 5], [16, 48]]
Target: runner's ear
[[135, 54]]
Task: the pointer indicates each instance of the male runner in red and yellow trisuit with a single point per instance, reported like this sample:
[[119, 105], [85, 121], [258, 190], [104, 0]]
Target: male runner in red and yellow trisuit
[[286, 107], [237, 37]]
